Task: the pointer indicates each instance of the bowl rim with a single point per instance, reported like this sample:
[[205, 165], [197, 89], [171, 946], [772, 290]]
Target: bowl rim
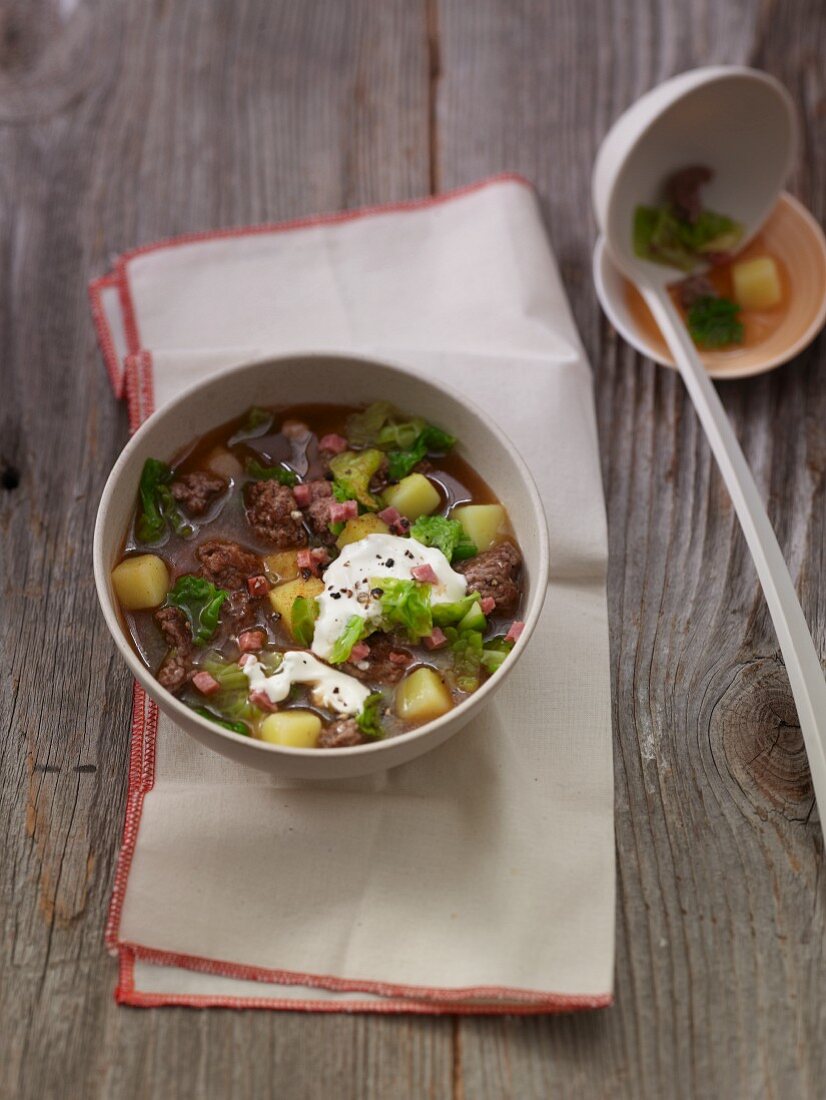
[[171, 704]]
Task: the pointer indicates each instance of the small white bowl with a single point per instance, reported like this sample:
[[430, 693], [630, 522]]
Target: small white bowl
[[791, 235], [330, 379]]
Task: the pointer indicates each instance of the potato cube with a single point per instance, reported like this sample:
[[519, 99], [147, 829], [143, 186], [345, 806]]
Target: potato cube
[[283, 596], [282, 566], [224, 463], [141, 582], [297, 728], [414, 496], [757, 283], [360, 527], [485, 524], [422, 696]]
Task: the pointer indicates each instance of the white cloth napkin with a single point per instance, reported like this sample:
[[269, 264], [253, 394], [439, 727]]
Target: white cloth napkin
[[479, 878]]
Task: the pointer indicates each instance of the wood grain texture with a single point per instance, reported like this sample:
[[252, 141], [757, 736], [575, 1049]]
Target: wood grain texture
[[120, 123], [720, 934]]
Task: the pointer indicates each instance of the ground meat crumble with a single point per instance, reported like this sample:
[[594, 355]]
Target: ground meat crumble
[[494, 573], [694, 288], [197, 491], [683, 190], [341, 734], [318, 510], [274, 515], [176, 667], [379, 665], [227, 564]]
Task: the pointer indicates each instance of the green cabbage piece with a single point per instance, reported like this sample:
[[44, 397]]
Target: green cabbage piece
[[353, 472], [445, 614], [661, 236], [364, 428], [232, 703], [236, 727], [714, 323], [303, 615], [352, 634], [401, 463], [405, 604], [656, 235], [401, 437], [466, 650], [230, 676], [494, 653], [157, 504], [368, 719], [201, 602], [430, 441], [712, 232], [281, 474], [407, 441], [258, 423], [341, 492], [151, 523], [447, 535]]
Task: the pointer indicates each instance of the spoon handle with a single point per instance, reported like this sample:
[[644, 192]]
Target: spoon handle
[[801, 659]]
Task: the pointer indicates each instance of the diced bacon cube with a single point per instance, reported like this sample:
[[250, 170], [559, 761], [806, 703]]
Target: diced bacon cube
[[258, 585], [398, 524], [359, 651], [261, 699], [487, 605], [205, 683], [303, 495], [333, 443], [251, 641], [515, 631], [245, 659], [342, 510], [424, 573], [437, 639], [312, 560], [398, 658]]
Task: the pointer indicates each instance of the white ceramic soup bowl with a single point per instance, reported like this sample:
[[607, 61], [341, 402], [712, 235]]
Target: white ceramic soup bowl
[[329, 379]]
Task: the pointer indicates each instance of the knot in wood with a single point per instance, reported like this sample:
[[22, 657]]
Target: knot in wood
[[50, 56], [756, 723]]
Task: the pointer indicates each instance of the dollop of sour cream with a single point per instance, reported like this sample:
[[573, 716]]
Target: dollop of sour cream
[[331, 689], [347, 582]]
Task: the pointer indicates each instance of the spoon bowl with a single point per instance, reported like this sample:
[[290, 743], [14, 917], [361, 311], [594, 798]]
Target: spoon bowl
[[739, 122]]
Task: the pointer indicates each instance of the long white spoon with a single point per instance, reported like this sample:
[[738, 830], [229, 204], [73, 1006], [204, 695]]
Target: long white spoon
[[741, 123]]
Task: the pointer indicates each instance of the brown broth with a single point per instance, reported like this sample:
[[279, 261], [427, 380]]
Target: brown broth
[[758, 324], [457, 481]]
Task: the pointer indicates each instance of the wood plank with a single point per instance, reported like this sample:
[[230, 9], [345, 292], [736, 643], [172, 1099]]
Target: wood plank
[[120, 123], [720, 977]]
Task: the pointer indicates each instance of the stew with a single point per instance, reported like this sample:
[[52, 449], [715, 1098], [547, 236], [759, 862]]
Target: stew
[[320, 576]]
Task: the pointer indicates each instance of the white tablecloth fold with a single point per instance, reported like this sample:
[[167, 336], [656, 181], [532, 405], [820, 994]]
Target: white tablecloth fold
[[479, 878]]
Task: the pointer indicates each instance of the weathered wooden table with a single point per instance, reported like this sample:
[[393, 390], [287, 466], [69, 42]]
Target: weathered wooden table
[[123, 122]]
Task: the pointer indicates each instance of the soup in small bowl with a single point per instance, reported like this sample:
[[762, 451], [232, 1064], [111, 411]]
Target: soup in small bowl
[[320, 566]]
